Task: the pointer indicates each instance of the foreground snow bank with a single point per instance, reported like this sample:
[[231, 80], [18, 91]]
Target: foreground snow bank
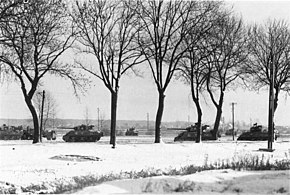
[[23, 164], [206, 182]]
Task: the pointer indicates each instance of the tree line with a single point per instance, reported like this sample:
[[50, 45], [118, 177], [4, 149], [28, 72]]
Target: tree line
[[202, 43]]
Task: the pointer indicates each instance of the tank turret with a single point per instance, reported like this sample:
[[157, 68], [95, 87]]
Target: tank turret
[[131, 132]]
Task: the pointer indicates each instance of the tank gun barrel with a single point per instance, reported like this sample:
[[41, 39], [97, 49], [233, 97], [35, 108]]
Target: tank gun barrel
[[176, 129]]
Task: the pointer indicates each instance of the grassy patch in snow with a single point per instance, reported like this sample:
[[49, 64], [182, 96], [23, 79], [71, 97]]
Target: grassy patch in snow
[[246, 162]]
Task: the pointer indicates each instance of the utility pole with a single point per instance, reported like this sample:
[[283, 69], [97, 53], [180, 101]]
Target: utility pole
[[271, 108], [233, 117], [98, 119], [41, 116]]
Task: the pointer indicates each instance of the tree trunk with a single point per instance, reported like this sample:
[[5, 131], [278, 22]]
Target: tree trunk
[[217, 122], [199, 126], [159, 117], [218, 115], [114, 99], [276, 98], [199, 114], [35, 120]]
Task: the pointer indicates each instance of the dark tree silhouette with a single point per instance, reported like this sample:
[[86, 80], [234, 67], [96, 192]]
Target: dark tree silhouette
[[34, 38], [6, 11], [6, 8], [107, 32], [193, 65], [193, 71], [227, 53], [164, 25], [269, 45]]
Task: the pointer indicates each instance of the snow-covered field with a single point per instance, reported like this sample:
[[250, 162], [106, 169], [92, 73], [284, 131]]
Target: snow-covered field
[[23, 163]]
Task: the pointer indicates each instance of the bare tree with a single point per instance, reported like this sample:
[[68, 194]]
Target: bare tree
[[164, 26], [226, 54], [35, 37], [194, 73], [6, 11], [193, 65], [50, 108], [269, 45], [107, 31], [5, 7]]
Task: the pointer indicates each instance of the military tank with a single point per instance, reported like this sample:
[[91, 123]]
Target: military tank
[[27, 135], [50, 135], [256, 133], [11, 132], [10, 135], [191, 133], [82, 133], [131, 132]]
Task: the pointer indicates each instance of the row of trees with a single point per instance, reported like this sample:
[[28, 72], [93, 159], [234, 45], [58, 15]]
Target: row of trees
[[200, 42]]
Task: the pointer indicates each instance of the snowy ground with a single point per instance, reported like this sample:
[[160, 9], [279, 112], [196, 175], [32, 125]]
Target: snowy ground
[[23, 163], [206, 182]]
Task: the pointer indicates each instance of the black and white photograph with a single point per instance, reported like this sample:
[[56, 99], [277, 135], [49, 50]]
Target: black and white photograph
[[144, 97]]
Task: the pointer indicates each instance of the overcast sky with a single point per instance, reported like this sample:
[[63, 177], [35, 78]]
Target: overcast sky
[[138, 96]]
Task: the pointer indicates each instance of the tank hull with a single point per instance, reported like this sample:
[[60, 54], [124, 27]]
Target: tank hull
[[16, 135], [27, 136], [131, 133], [82, 136], [10, 135], [254, 136], [191, 136]]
